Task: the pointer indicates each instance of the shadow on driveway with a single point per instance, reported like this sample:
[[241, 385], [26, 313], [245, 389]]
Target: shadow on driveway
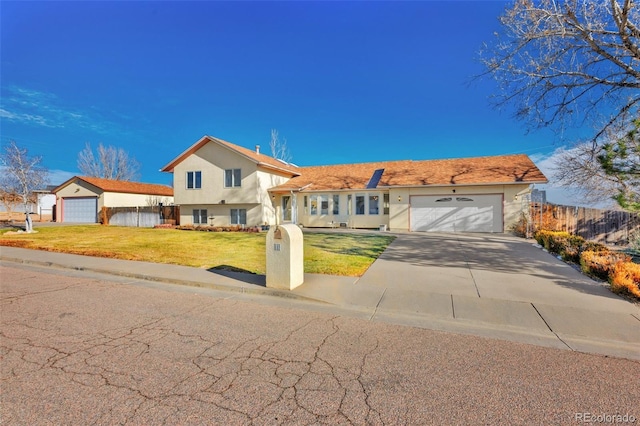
[[513, 259]]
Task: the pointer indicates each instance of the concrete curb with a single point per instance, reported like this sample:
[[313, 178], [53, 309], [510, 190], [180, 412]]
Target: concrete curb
[[248, 289]]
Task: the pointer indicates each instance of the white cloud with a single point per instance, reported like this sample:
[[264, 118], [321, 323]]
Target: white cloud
[[36, 108]]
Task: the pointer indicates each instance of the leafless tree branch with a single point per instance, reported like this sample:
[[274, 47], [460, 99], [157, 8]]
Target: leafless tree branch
[[568, 62], [108, 163], [21, 175]]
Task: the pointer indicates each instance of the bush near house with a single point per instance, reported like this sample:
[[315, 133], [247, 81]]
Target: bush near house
[[566, 245], [595, 260]]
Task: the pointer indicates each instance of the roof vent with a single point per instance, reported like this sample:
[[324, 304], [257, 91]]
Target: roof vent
[[257, 149]]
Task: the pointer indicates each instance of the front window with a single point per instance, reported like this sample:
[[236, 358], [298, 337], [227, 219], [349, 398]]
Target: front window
[[349, 205], [238, 216], [199, 216], [373, 204], [359, 204], [194, 180], [336, 204], [324, 204], [232, 178], [314, 205]]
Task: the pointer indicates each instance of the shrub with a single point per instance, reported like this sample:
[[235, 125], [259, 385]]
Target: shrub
[[571, 247], [625, 279], [562, 243], [600, 264], [521, 227], [595, 247], [545, 237]]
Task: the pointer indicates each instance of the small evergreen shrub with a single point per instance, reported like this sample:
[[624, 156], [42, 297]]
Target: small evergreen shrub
[[625, 279], [559, 242], [600, 264]]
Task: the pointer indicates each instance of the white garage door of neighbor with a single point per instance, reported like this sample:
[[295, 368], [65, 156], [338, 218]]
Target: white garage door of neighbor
[[82, 210], [456, 213]]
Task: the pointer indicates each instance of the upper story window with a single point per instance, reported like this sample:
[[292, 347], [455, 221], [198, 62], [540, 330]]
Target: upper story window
[[232, 178], [194, 180]]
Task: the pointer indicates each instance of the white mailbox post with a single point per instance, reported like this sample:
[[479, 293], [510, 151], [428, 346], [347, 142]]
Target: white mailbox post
[[285, 256]]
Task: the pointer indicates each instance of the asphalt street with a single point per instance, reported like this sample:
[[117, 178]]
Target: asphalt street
[[83, 348]]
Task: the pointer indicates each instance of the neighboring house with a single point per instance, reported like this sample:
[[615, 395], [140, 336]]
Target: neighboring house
[[45, 203], [81, 198], [219, 183]]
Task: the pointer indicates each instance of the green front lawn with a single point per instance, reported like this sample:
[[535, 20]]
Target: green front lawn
[[347, 254]]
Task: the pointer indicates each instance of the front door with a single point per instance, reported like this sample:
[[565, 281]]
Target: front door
[[286, 208]]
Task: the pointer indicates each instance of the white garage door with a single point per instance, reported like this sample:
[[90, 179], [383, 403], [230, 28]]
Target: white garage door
[[456, 213], [82, 210]]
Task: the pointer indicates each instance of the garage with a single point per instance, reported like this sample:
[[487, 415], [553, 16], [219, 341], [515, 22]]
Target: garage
[[456, 213], [81, 210]]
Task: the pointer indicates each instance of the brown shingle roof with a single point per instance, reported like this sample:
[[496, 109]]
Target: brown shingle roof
[[122, 186], [260, 159], [503, 169]]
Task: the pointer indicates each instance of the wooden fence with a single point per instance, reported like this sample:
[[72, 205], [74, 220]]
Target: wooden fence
[[145, 216], [604, 226]]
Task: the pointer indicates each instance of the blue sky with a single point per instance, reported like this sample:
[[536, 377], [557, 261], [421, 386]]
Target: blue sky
[[343, 82]]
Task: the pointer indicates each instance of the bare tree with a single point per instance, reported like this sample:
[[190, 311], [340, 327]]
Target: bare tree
[[21, 175], [9, 200], [279, 148], [108, 163], [156, 200], [568, 62], [578, 170]]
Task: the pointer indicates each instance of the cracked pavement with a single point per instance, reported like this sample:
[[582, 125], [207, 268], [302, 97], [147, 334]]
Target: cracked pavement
[[80, 348]]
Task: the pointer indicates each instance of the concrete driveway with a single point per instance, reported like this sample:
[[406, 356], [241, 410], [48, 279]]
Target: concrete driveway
[[486, 266], [503, 281]]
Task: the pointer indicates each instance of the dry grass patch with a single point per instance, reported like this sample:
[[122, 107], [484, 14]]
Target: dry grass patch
[[340, 254]]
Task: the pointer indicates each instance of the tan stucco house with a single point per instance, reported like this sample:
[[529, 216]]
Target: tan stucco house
[[220, 183], [81, 198]]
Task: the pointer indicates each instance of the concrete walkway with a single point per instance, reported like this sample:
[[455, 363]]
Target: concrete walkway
[[489, 285]]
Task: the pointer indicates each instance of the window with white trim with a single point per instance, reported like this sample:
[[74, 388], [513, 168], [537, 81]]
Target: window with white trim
[[194, 180], [232, 178], [238, 216], [199, 216], [374, 201], [336, 204], [314, 205], [359, 204], [323, 200]]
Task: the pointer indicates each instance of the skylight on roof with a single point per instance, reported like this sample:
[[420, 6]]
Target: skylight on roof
[[375, 179]]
